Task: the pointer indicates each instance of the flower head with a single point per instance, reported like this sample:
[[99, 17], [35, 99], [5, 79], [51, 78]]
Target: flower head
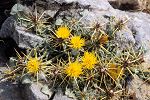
[[74, 69], [89, 60], [77, 42], [33, 65], [63, 32], [115, 71], [103, 39]]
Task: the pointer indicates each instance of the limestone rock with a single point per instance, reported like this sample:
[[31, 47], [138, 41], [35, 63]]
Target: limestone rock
[[61, 97], [9, 91], [140, 89], [23, 38], [26, 39], [131, 4], [7, 27], [3, 58], [33, 92], [125, 36]]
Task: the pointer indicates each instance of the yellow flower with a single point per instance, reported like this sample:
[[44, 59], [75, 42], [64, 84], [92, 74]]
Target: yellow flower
[[63, 32], [74, 69], [77, 42], [89, 60], [33, 65], [115, 71]]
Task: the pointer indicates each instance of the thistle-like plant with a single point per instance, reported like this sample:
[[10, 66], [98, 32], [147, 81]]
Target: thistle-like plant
[[129, 59], [85, 62], [33, 21], [32, 65]]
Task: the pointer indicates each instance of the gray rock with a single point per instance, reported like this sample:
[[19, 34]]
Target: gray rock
[[3, 58], [23, 38], [9, 91], [59, 96], [33, 92], [51, 13], [8, 27], [125, 36], [61, 1], [140, 25], [97, 4], [26, 39], [131, 4], [137, 87], [36, 91]]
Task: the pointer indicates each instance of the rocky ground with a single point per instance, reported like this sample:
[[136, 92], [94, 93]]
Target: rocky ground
[[93, 11]]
